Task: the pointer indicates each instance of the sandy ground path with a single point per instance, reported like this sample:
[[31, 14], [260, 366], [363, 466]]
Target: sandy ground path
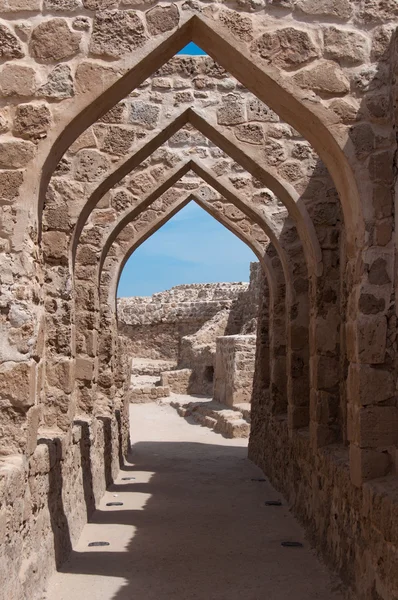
[[193, 526]]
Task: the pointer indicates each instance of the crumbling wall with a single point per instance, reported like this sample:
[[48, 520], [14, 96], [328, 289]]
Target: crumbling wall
[[154, 326]]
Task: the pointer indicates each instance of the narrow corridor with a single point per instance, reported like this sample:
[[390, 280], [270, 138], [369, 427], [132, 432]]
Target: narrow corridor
[[193, 525]]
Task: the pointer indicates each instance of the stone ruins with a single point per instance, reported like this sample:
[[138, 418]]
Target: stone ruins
[[195, 340], [286, 134]]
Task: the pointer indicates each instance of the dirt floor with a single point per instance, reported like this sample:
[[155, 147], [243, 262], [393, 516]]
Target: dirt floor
[[193, 526]]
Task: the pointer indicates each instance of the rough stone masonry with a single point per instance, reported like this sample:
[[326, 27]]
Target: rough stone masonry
[[285, 133]]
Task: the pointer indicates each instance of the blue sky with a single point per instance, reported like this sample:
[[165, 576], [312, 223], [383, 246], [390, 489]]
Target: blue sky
[[192, 49], [190, 248]]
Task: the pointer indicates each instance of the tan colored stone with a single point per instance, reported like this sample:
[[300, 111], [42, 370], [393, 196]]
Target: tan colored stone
[[325, 78], [231, 111], [251, 133], [10, 47], [61, 5], [162, 18], [59, 84], [10, 182], [52, 41], [370, 385], [32, 121], [13, 6], [17, 80], [349, 47], [90, 75], [18, 384], [239, 25], [116, 33], [287, 48], [90, 165], [14, 155], [55, 245], [342, 9]]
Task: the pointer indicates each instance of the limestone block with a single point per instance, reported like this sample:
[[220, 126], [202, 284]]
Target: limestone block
[[61, 5], [350, 47], [231, 111], [90, 165], [90, 75], [55, 245], [116, 33], [32, 121], [10, 47], [342, 9], [13, 6], [62, 374], [84, 368], [18, 384], [162, 18], [375, 426], [52, 41], [99, 4], [287, 48], [367, 464], [369, 385], [14, 155], [10, 182], [17, 80], [325, 78], [258, 111], [144, 113], [59, 84], [251, 133], [370, 335], [239, 25], [115, 139]]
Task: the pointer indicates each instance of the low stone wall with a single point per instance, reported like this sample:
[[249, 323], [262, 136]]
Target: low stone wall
[[177, 381], [154, 326], [47, 498], [147, 393], [235, 358]]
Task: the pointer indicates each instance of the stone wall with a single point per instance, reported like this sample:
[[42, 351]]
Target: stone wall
[[154, 326], [233, 379]]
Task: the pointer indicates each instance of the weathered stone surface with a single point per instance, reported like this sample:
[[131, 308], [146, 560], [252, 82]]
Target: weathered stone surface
[[14, 155], [10, 47], [325, 78], [90, 75], [239, 25], [17, 384], [144, 113], [258, 111], [231, 111], [13, 6], [32, 121], [61, 5], [162, 18], [59, 84], [10, 182], [17, 80], [342, 9], [53, 41], [99, 4], [251, 133], [90, 165], [116, 33], [382, 42], [344, 46], [287, 48]]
